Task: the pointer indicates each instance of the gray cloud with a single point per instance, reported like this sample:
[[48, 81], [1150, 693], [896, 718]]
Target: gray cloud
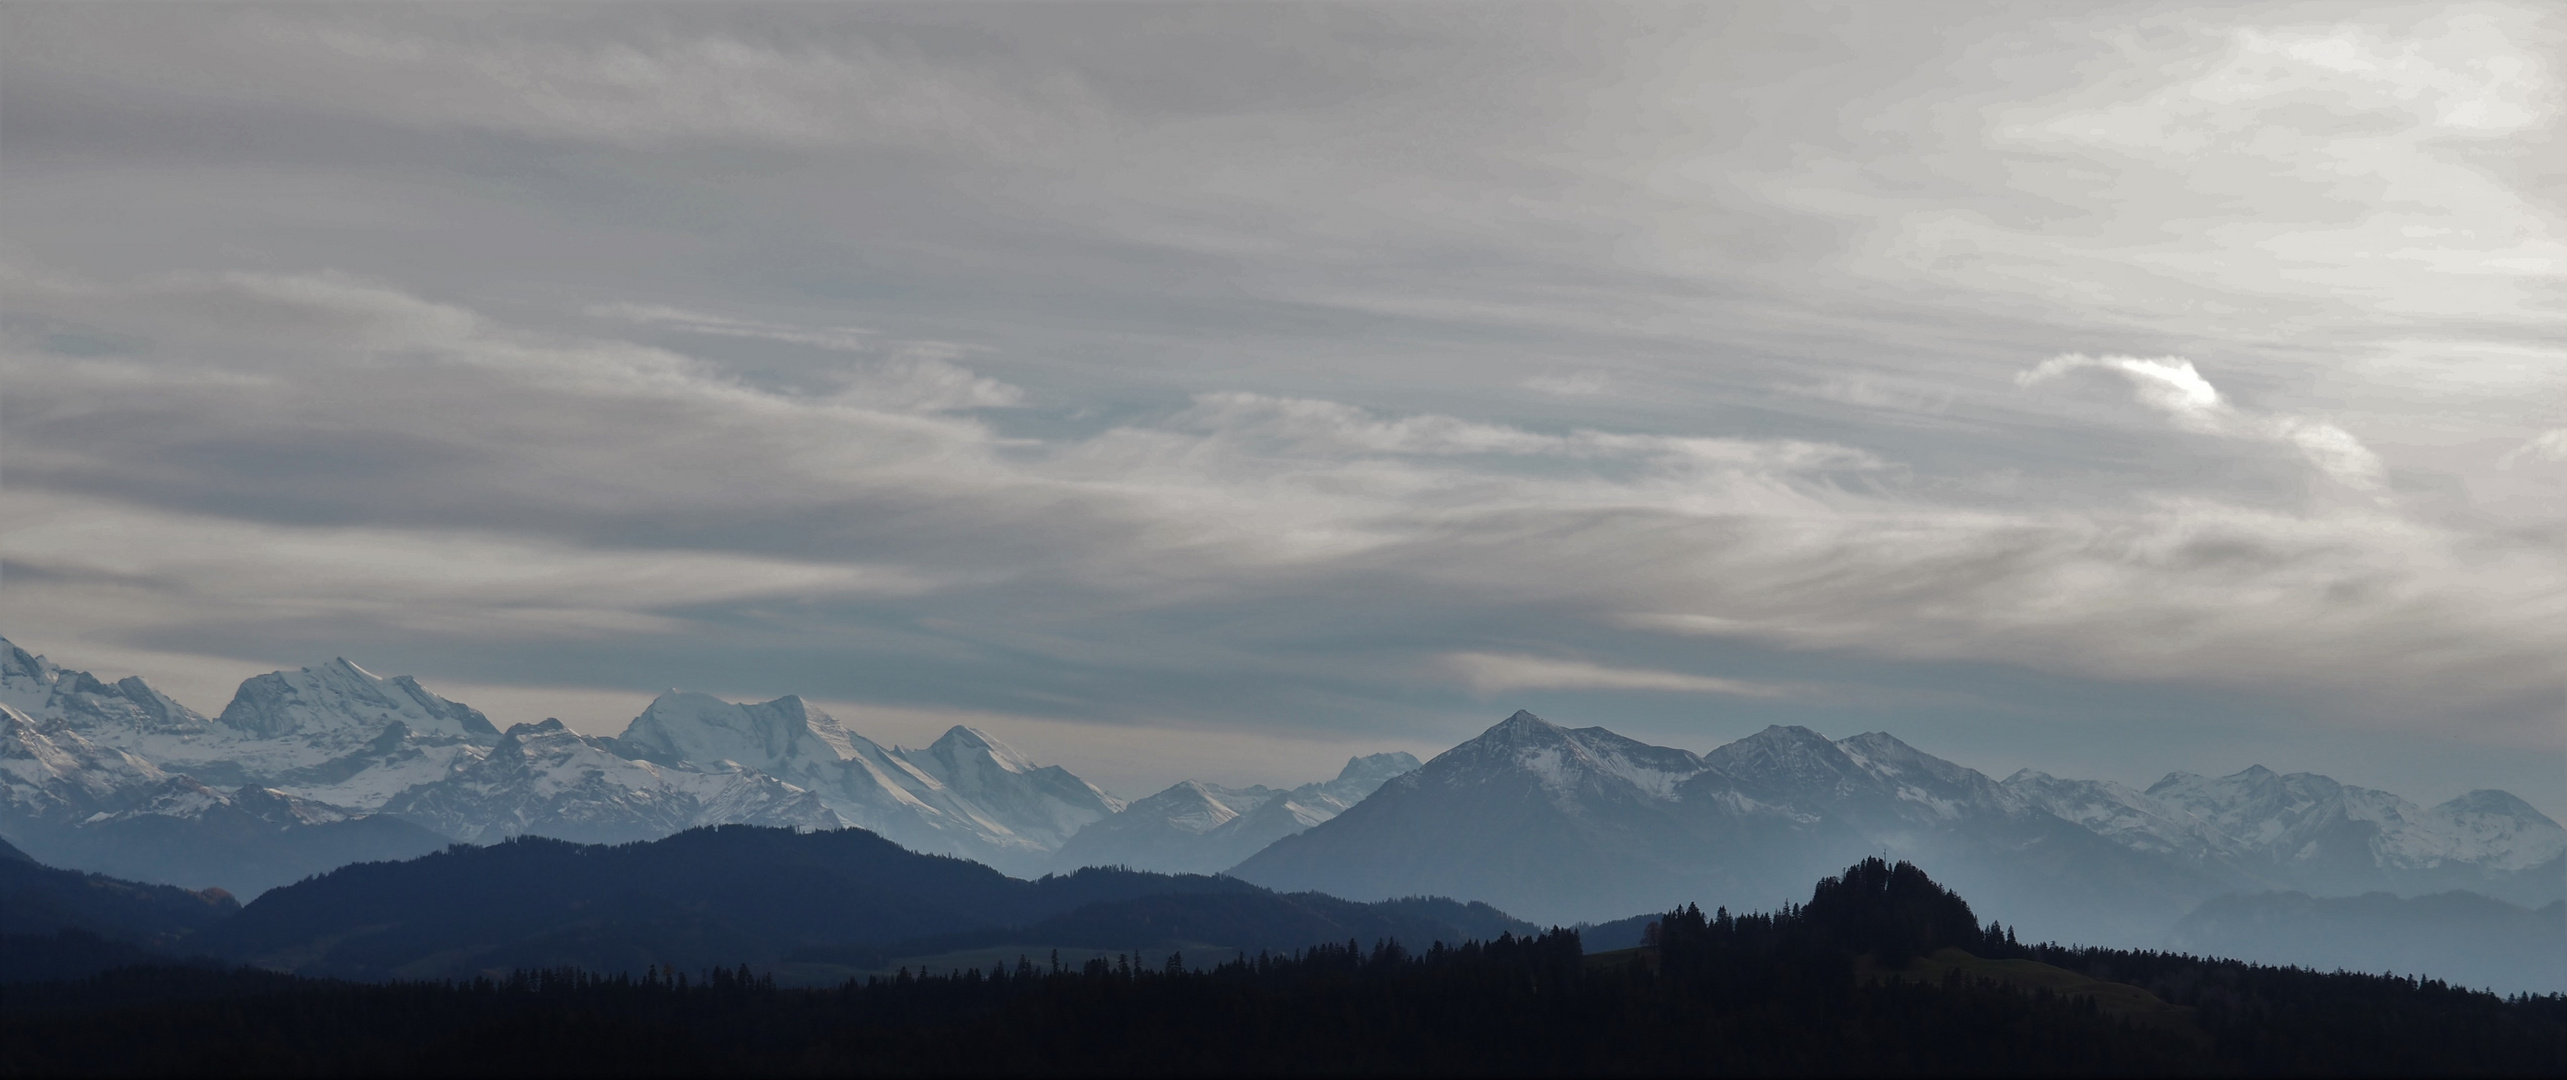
[[1305, 373]]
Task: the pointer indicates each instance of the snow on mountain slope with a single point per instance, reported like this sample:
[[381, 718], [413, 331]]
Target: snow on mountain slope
[[1567, 824], [1926, 783], [45, 691], [2497, 830], [2125, 815], [1043, 805], [1570, 763], [1547, 822], [964, 795], [1164, 832], [334, 732], [547, 780], [341, 697], [1198, 828], [50, 774], [2327, 836]]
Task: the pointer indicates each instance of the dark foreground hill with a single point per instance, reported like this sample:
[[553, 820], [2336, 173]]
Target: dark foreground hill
[[42, 900], [1883, 971], [736, 893]]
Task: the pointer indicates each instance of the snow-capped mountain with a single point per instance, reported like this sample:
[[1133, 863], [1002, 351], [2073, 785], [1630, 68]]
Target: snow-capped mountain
[[334, 732], [966, 794], [1198, 828], [548, 780], [1542, 821], [88, 764], [69, 801], [2312, 833], [40, 689], [2126, 815], [1561, 824], [49, 774]]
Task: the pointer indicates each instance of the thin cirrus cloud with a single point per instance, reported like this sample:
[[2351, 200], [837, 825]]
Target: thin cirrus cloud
[[1490, 674], [1315, 374]]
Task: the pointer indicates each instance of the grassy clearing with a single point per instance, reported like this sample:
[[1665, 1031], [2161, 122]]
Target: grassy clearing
[[2111, 998]]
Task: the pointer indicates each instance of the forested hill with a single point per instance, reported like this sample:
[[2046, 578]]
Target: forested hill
[[1883, 971], [742, 894]]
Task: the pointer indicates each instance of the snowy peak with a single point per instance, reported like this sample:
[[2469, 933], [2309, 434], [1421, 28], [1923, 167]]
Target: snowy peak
[[1584, 762], [340, 697], [964, 743], [1193, 807], [2304, 818], [2122, 813], [776, 737], [1006, 793], [48, 772], [48, 692], [1945, 789], [2492, 802], [1785, 758], [966, 794], [545, 779]]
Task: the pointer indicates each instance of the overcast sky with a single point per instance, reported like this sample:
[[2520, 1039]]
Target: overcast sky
[[1222, 390]]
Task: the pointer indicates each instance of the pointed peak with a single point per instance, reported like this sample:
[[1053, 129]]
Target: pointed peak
[[960, 741], [959, 735], [1522, 721], [1785, 735], [2028, 776], [340, 665], [2256, 772], [1876, 741]]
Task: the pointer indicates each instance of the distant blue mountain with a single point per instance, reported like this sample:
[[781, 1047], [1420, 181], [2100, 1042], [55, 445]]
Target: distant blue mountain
[[2459, 937]]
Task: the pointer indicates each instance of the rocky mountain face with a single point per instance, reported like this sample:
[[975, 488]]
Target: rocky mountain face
[[1198, 828], [1560, 824]]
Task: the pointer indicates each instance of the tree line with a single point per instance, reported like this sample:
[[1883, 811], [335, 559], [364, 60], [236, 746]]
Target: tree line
[[1834, 986]]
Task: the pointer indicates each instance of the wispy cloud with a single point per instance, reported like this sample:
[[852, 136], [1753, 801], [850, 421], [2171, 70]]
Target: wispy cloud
[[1495, 673], [2171, 386]]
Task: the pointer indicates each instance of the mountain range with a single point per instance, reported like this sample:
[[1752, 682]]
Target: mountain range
[[1198, 828], [312, 769], [309, 770], [1563, 825]]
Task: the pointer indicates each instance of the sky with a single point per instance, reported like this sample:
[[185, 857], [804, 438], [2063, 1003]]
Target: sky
[[1221, 390]]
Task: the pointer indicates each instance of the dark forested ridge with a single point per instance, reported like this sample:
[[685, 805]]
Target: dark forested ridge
[[38, 899], [740, 894], [1882, 971]]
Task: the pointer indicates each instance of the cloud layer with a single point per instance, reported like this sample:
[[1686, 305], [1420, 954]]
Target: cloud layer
[[1313, 375]]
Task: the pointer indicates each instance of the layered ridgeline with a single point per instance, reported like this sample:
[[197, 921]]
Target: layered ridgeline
[[814, 907], [1565, 825], [312, 769], [1199, 828], [307, 770]]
